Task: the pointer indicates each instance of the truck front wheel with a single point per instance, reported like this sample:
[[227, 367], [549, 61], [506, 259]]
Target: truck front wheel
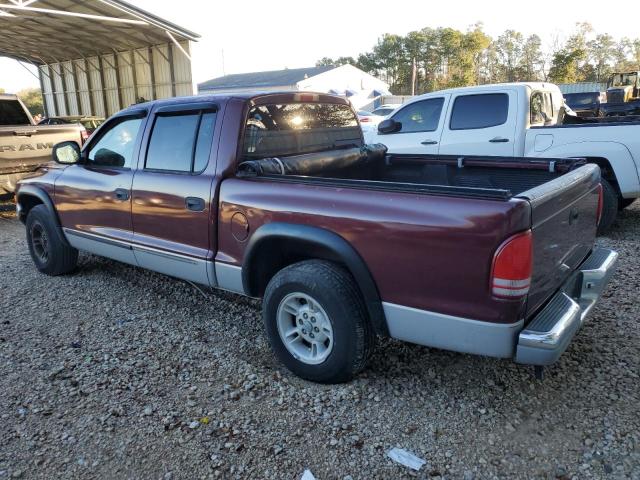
[[316, 322], [48, 252], [609, 206]]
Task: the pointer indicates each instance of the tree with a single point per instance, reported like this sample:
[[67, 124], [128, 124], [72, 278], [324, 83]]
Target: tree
[[603, 55], [446, 57], [509, 50], [2, 90], [32, 98], [532, 62]]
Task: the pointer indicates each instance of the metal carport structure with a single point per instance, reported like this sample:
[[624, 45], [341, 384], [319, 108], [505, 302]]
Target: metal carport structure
[[95, 57]]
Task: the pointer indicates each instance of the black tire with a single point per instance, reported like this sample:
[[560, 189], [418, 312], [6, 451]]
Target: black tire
[[49, 252], [610, 204], [334, 290], [626, 202]]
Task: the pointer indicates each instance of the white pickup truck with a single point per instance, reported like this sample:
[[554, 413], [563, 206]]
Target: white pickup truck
[[520, 120]]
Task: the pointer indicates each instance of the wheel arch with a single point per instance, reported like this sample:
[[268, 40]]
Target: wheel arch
[[277, 245], [28, 197], [615, 160]]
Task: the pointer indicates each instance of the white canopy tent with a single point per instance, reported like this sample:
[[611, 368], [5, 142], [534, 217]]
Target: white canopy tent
[[95, 57]]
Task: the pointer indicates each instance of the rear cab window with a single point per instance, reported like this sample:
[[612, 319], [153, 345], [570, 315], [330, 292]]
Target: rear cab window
[[275, 130], [477, 111], [12, 113], [541, 108]]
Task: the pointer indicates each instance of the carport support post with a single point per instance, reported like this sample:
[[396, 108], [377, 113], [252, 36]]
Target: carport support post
[[134, 76], [63, 79], [116, 64], [172, 73], [44, 98], [87, 72], [74, 75], [53, 90], [103, 87], [152, 75]]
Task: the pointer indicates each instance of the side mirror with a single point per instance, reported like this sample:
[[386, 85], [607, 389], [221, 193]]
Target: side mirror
[[389, 126], [66, 153]]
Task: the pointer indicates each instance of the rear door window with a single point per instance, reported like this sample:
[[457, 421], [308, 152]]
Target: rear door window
[[479, 111], [295, 128], [181, 142], [423, 116]]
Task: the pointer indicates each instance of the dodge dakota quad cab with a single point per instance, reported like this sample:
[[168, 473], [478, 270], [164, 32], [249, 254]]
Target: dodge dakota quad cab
[[521, 119], [25, 146], [275, 196]]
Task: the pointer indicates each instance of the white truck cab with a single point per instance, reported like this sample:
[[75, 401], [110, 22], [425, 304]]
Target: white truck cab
[[516, 119]]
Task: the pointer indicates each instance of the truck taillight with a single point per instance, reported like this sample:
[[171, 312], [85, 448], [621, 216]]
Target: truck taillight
[[600, 203], [512, 267], [84, 135]]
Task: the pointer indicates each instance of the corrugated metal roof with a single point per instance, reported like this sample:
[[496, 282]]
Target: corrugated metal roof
[[274, 78], [53, 31]]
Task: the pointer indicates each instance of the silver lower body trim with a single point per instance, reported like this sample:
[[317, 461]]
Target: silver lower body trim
[[447, 332], [229, 277]]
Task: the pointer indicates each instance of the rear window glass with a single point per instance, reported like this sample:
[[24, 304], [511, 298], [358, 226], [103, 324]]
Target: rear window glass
[[12, 113], [181, 142], [295, 128], [479, 111]]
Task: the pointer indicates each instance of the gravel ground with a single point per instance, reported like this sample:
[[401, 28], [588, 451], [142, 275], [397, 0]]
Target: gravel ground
[[114, 372]]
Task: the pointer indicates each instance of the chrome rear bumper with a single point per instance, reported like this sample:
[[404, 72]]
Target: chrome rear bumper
[[547, 336]]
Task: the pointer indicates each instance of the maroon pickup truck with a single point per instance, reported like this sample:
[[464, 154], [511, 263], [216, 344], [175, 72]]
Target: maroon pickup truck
[[275, 196]]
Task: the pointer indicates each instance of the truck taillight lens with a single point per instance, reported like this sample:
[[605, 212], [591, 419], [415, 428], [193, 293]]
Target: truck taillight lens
[[512, 267], [600, 203], [84, 135]]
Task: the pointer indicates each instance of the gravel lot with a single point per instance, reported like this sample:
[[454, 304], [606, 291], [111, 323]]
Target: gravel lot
[[114, 372]]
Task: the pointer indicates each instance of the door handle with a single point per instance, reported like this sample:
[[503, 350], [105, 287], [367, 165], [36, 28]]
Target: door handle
[[499, 140], [122, 194], [429, 142], [194, 203]]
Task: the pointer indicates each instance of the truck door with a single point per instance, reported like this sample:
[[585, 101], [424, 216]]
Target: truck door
[[481, 124], [421, 126], [93, 198], [171, 209]]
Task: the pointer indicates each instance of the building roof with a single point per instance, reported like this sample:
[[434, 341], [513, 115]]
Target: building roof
[[257, 80], [52, 31]]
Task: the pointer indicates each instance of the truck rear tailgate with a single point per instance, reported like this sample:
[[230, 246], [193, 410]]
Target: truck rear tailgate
[[564, 222]]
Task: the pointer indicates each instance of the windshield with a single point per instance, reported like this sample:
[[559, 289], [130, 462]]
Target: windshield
[[624, 79], [578, 99], [12, 113], [294, 128]]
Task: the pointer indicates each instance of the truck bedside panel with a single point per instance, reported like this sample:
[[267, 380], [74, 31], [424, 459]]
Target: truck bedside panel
[[423, 251]]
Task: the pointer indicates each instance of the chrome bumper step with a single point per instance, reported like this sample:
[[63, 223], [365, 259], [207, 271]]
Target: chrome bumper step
[[548, 335]]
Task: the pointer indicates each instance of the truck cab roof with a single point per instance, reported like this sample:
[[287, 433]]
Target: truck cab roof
[[255, 96]]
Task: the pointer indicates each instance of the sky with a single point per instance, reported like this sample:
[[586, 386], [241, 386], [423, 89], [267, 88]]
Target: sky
[[258, 35]]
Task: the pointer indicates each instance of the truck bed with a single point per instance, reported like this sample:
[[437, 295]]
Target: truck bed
[[558, 197]]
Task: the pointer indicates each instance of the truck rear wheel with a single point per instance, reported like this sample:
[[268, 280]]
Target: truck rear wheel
[[609, 206], [316, 322], [48, 251]]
